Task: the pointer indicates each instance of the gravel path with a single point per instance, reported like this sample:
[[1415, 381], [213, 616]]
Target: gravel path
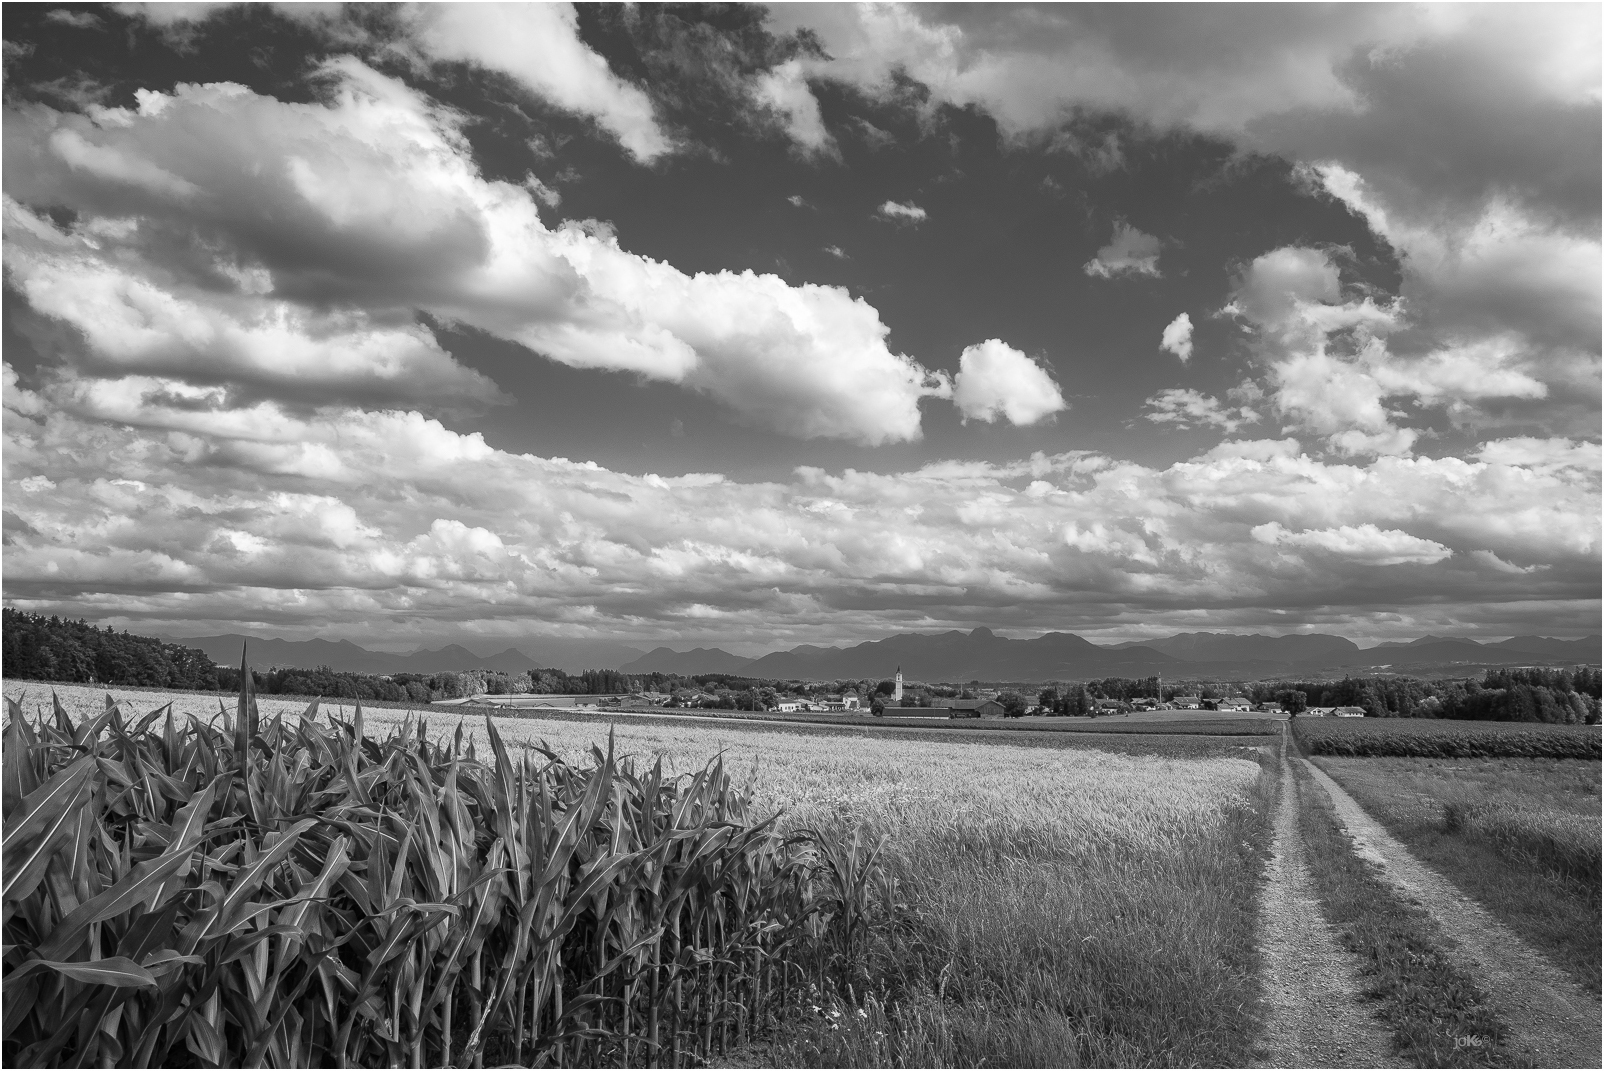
[[1552, 1021], [1317, 1016]]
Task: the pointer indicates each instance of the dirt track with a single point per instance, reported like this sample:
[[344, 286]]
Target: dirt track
[[1317, 1017], [1552, 1021]]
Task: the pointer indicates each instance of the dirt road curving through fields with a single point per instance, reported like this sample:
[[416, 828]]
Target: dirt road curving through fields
[[1552, 1021], [1317, 1016]]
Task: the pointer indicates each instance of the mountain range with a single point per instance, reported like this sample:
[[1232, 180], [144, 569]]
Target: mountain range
[[571, 656], [950, 656]]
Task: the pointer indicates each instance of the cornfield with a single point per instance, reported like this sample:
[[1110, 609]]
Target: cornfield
[[297, 894]]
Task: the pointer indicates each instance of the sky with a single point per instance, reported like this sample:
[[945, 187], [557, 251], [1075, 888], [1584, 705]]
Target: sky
[[752, 327]]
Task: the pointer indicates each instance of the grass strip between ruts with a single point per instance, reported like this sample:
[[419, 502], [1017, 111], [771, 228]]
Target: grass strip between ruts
[[1438, 1015]]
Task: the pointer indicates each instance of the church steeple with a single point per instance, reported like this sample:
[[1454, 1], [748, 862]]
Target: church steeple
[[896, 696]]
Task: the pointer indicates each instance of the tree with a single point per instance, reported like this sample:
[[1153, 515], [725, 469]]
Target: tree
[[1013, 704], [1293, 701]]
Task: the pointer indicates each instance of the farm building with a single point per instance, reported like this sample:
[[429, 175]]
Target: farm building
[[1109, 706], [1348, 712], [1186, 702], [1235, 702], [973, 708]]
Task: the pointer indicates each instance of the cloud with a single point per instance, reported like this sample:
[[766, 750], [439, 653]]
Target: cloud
[[1543, 455], [837, 252], [1030, 68], [1178, 337], [1332, 370], [163, 511], [370, 204], [796, 200], [536, 45], [1499, 270], [1468, 137], [1364, 542], [784, 90], [78, 20], [131, 318], [1193, 409], [1129, 253], [898, 212], [994, 379]]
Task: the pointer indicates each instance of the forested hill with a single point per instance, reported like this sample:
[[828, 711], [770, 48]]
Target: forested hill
[[51, 649]]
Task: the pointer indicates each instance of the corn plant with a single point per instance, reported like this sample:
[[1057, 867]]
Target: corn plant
[[291, 894]]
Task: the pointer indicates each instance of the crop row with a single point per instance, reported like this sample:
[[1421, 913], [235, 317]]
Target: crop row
[[299, 894], [1427, 738]]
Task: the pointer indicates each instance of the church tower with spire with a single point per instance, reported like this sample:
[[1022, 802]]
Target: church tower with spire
[[896, 695]]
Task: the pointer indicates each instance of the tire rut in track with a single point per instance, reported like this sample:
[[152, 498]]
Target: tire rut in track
[[1318, 1017]]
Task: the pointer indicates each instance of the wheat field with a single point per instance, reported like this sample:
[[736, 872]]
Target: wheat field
[[1057, 907]]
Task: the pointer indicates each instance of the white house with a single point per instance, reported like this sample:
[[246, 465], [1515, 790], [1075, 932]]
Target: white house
[[1185, 702], [1235, 702], [1348, 712]]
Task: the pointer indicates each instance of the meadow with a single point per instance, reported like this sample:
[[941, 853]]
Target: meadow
[[1039, 906], [1519, 835]]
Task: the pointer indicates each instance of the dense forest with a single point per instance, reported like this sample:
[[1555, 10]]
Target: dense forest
[[52, 649]]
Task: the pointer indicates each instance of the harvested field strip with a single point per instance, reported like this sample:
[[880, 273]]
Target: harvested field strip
[[1427, 738]]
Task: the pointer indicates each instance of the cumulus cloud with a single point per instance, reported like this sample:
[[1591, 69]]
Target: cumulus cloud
[[1331, 366], [784, 90], [1499, 270], [1130, 252], [536, 45], [995, 380], [164, 509], [78, 20], [1467, 137], [1193, 409], [1178, 337], [898, 212], [369, 201], [131, 317], [1363, 542]]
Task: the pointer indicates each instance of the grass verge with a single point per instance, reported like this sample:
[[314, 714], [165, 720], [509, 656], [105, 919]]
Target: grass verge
[[1438, 1015], [1518, 836]]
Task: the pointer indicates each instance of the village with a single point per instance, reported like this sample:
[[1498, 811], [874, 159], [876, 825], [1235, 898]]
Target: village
[[892, 698]]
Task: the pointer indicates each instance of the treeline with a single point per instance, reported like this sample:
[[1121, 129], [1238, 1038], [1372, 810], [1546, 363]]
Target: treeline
[[53, 649], [1556, 696]]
